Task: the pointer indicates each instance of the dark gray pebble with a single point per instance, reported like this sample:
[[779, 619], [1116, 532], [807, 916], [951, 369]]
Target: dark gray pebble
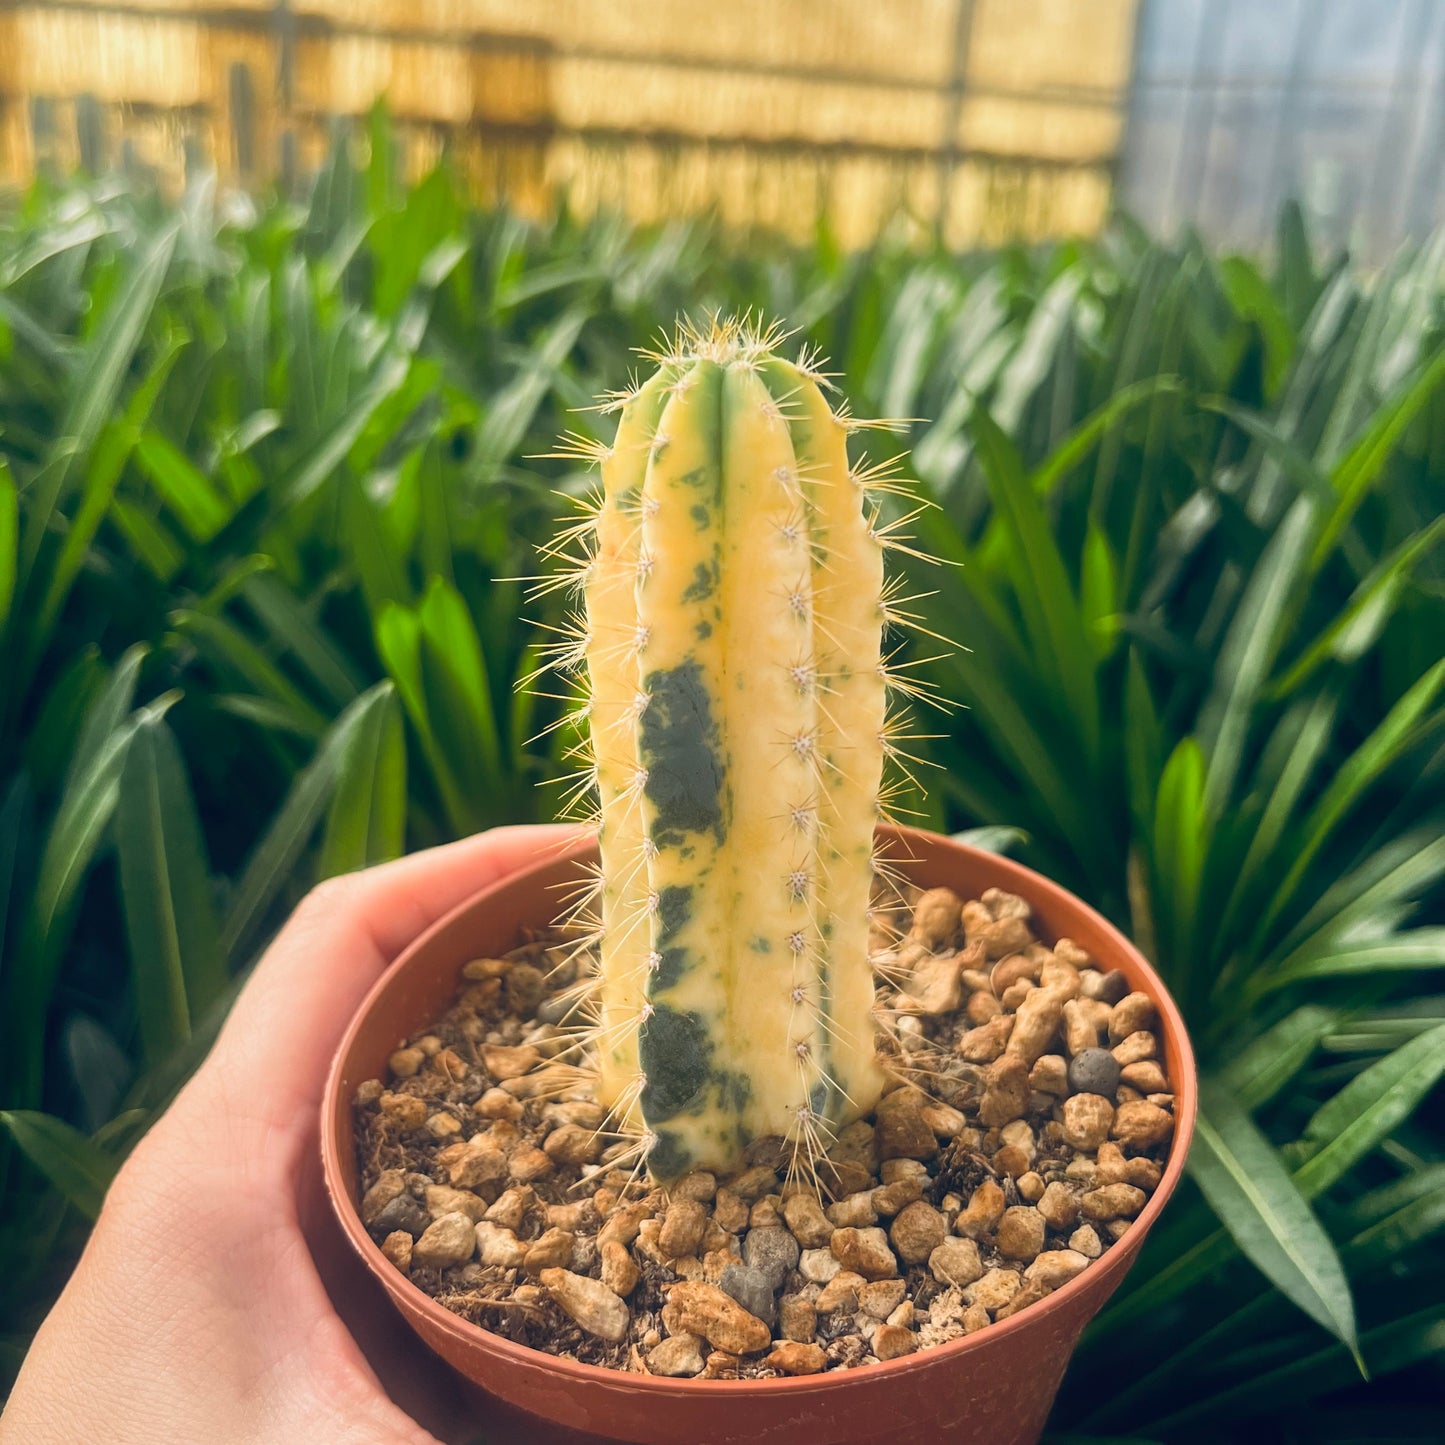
[[402, 1213], [1094, 1071], [773, 1250], [1112, 987], [752, 1289]]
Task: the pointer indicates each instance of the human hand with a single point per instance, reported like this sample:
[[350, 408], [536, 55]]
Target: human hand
[[199, 1313]]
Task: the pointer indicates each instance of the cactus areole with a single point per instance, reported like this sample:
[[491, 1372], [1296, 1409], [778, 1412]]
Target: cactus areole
[[733, 629]]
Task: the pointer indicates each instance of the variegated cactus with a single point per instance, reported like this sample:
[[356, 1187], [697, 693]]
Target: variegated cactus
[[734, 610]]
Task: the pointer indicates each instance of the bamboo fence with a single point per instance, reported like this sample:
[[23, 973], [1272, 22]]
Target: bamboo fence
[[987, 119]]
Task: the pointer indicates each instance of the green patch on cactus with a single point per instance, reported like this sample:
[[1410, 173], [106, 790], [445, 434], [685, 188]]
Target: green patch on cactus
[[704, 583], [676, 1054], [679, 746], [674, 908], [672, 964], [669, 1155]]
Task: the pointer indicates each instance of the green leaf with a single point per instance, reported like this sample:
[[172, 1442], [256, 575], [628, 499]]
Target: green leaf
[[176, 962], [379, 566], [513, 408], [399, 641], [1418, 948], [112, 450], [81, 821], [95, 389], [235, 654], [274, 861], [366, 821], [263, 712], [1367, 1110], [434, 655], [1252, 297], [196, 501], [1361, 465], [995, 839], [99, 1067], [326, 457], [85, 811], [1382, 887], [14, 826], [1249, 650], [154, 546], [1260, 1070], [1296, 747], [1181, 841], [452, 650], [1396, 1217], [1360, 622], [292, 625], [72, 1164], [1284, 452], [1099, 593], [109, 708], [1051, 612], [1088, 434], [1249, 1188], [1248, 1391], [97, 385], [9, 540], [1385, 746]]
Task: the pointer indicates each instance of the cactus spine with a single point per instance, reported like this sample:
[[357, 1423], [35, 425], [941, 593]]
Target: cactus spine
[[734, 615]]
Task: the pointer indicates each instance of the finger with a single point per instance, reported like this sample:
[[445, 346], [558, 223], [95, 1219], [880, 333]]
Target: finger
[[279, 1038]]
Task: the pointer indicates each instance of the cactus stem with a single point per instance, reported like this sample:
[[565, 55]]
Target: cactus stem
[[608, 1036], [803, 817], [732, 586], [804, 676]]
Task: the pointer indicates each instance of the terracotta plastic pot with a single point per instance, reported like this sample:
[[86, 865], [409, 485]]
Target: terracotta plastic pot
[[992, 1388]]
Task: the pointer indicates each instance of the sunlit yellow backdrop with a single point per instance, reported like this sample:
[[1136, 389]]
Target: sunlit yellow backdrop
[[995, 118]]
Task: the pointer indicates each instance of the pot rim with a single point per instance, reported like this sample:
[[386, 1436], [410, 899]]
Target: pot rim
[[1013, 876]]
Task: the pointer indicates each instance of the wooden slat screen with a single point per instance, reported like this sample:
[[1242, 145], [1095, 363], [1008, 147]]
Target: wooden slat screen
[[991, 118]]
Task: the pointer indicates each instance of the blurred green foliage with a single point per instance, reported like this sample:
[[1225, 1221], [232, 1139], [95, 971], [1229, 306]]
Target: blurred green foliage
[[269, 473]]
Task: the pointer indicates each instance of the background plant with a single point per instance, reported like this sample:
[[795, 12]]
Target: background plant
[[267, 471]]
